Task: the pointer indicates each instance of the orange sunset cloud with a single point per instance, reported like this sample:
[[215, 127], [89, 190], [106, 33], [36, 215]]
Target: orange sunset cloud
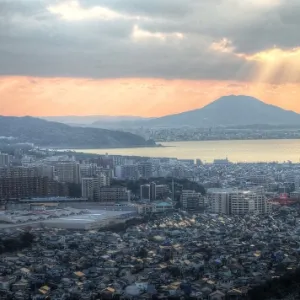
[[145, 58], [140, 97]]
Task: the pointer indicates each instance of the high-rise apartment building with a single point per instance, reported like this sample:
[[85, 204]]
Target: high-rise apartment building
[[88, 188], [45, 171], [152, 191], [104, 161], [238, 202], [4, 160], [219, 201], [19, 172], [68, 172], [88, 170], [91, 186], [29, 187], [162, 191], [191, 200], [145, 169], [145, 192], [127, 172]]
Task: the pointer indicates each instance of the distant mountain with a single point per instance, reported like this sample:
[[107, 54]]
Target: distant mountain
[[93, 121], [120, 122], [52, 134], [229, 111], [226, 111]]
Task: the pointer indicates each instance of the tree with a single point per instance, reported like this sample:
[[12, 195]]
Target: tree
[[142, 253], [74, 190], [27, 239]]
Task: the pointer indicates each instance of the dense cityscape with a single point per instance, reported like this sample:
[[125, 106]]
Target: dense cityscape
[[149, 150], [156, 228], [187, 133]]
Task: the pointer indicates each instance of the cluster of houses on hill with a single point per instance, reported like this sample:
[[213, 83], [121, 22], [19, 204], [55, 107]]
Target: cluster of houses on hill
[[200, 256]]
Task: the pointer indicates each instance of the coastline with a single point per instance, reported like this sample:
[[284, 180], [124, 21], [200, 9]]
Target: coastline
[[160, 145], [68, 148], [235, 150]]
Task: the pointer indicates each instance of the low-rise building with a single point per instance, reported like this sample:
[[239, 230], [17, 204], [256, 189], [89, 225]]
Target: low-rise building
[[113, 194]]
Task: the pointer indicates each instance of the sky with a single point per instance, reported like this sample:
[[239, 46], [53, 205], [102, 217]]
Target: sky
[[145, 57]]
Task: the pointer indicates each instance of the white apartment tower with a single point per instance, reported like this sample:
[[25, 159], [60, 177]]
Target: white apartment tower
[[91, 186], [219, 201], [191, 200], [238, 202]]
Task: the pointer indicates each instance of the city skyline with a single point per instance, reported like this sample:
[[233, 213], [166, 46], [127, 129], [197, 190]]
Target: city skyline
[[145, 58]]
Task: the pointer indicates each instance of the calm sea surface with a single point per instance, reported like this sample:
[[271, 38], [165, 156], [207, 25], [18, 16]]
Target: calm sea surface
[[207, 151]]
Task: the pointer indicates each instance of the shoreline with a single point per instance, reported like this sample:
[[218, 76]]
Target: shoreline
[[100, 148], [159, 145], [237, 151]]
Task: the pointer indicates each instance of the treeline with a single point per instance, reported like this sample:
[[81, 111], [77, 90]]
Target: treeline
[[121, 227], [285, 286], [20, 242]]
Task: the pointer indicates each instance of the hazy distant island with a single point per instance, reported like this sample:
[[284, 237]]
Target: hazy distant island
[[57, 135]]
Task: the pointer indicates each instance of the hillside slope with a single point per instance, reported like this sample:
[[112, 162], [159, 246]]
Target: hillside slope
[[52, 134]]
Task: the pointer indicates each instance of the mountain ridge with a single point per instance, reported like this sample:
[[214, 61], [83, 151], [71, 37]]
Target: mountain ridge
[[230, 110], [90, 120], [55, 134]]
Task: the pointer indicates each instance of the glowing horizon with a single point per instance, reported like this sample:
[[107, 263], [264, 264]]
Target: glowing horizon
[[129, 97], [116, 58]]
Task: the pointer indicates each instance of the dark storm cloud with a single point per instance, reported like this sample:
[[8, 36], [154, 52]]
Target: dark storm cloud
[[37, 42], [277, 26]]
